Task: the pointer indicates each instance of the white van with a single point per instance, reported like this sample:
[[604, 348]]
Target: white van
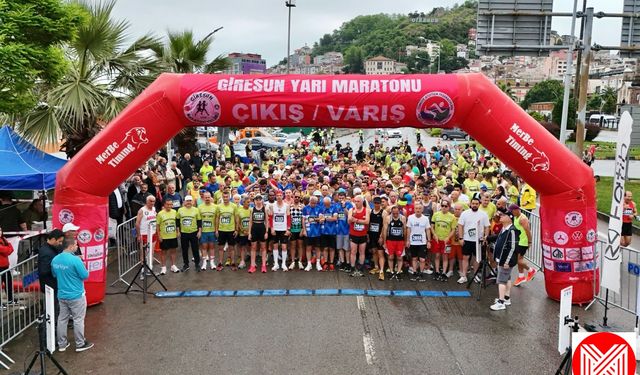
[[602, 119]]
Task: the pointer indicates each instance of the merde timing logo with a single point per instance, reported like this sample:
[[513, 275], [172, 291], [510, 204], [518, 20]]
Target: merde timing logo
[[603, 353]]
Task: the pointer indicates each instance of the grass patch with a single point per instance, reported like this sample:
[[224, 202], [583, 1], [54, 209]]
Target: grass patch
[[607, 150], [604, 189]]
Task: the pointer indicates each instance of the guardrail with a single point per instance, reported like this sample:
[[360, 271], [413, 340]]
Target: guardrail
[[20, 302], [534, 254], [128, 249]]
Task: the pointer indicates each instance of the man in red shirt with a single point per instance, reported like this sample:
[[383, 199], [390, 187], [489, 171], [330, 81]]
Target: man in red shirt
[[629, 212]]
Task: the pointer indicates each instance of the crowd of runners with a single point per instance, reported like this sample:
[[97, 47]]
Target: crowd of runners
[[392, 212]]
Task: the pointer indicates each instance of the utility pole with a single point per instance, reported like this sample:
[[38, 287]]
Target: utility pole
[[584, 82], [567, 79], [289, 4]]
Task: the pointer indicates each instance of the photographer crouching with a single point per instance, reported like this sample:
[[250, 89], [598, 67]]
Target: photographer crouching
[[506, 257]]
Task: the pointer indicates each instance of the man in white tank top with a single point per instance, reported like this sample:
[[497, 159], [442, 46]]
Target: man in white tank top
[[280, 229], [145, 223], [418, 239]]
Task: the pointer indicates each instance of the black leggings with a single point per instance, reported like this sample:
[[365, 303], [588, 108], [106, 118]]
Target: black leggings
[[7, 280], [187, 239]]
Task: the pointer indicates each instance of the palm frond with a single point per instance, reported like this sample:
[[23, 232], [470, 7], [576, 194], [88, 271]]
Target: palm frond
[[218, 64]]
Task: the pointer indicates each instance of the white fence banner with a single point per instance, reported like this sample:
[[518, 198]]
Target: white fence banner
[[612, 256]]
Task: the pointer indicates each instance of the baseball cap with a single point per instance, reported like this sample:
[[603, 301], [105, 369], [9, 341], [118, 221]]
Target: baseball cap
[[483, 187], [502, 211], [69, 227], [188, 198], [513, 206], [341, 191], [377, 200], [357, 191], [317, 193]]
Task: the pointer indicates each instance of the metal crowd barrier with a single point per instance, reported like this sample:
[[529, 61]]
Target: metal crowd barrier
[[20, 302], [127, 248], [534, 254]]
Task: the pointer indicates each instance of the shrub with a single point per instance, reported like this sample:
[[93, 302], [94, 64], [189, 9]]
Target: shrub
[[552, 128], [592, 132], [436, 132]]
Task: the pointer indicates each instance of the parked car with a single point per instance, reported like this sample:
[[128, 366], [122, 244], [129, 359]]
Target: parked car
[[394, 133], [454, 133]]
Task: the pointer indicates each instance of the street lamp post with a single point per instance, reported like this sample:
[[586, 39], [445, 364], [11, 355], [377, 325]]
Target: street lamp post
[[289, 4]]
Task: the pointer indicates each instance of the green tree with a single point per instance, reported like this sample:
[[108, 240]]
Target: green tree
[[103, 76], [544, 91], [354, 60], [31, 32], [418, 62], [506, 88], [184, 54], [537, 116], [556, 114], [604, 102]]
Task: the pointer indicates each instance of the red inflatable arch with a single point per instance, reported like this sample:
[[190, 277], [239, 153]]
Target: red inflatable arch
[[470, 101]]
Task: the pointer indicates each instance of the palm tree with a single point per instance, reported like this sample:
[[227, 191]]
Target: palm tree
[[506, 88], [103, 76], [183, 54]]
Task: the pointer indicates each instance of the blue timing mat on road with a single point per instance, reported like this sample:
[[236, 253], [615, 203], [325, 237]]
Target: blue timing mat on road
[[313, 292]]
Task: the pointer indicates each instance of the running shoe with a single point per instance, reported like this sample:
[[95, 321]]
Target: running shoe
[[174, 268], [444, 278], [374, 271], [507, 302], [242, 265], [219, 267], [413, 276], [381, 276], [300, 265], [356, 273], [308, 267], [477, 279], [332, 267], [292, 266], [449, 274], [520, 280], [421, 279], [398, 276], [462, 280], [284, 267], [325, 267], [185, 268], [204, 265], [252, 269], [498, 305], [428, 271], [86, 346], [318, 267], [63, 348], [163, 270], [234, 267], [389, 270], [228, 262], [213, 264], [275, 267], [531, 274], [264, 268]]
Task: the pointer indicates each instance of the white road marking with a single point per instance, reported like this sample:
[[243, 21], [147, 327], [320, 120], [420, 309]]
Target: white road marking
[[367, 340]]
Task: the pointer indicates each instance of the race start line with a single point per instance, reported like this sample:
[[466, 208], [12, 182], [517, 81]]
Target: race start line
[[311, 292]]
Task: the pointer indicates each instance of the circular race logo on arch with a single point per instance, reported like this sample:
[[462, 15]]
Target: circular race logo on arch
[[202, 108], [435, 108]]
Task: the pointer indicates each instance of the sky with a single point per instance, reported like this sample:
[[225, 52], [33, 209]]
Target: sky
[[260, 26]]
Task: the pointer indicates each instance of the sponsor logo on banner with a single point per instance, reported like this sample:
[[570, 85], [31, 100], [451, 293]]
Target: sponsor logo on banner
[[573, 219], [560, 238], [573, 254], [548, 264], [99, 235], [577, 236], [84, 236], [202, 108], [435, 108], [562, 267], [557, 253], [546, 251], [587, 253], [95, 265], [592, 235], [65, 216], [611, 353], [117, 152], [582, 266], [522, 142], [94, 251]]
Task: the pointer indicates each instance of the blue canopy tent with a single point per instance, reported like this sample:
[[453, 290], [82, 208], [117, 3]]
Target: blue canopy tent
[[23, 166]]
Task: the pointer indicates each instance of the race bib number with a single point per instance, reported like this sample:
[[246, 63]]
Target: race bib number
[[416, 237], [245, 222], [258, 216], [226, 219], [396, 231], [187, 222], [375, 227], [472, 233], [171, 228], [447, 249], [296, 220], [176, 204], [278, 219], [207, 224], [341, 216], [358, 227]]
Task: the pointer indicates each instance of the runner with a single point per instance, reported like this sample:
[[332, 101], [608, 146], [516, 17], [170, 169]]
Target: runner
[[523, 230], [280, 230], [328, 218], [190, 226], [226, 229], [342, 236], [244, 217], [208, 236], [359, 222], [443, 228], [374, 243], [296, 242], [145, 224], [311, 231], [258, 229], [629, 212], [418, 240], [166, 226], [393, 236], [470, 222]]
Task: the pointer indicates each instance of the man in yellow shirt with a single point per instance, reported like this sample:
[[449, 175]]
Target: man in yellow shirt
[[471, 185], [190, 224], [205, 170], [527, 198], [167, 227]]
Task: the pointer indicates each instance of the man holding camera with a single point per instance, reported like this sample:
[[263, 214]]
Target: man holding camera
[[506, 257]]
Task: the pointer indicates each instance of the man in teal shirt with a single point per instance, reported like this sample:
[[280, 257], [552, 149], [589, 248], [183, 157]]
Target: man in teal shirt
[[70, 272]]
